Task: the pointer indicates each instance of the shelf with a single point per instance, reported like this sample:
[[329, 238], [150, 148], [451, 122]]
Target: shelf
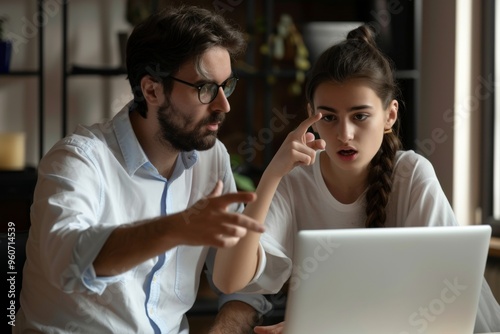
[[16, 198], [241, 73], [36, 73], [290, 73], [17, 183], [262, 75], [20, 73]]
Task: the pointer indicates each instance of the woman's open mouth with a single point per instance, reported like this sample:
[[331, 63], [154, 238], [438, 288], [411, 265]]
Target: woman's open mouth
[[347, 155], [347, 152]]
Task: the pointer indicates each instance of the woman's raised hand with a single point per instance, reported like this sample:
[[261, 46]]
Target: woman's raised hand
[[299, 148]]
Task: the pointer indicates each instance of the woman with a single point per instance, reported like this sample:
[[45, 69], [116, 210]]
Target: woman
[[355, 176]]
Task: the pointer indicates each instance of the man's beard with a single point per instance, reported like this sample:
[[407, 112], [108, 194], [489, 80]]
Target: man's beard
[[174, 127]]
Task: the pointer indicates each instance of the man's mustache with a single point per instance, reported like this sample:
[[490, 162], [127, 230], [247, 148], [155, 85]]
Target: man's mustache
[[214, 118]]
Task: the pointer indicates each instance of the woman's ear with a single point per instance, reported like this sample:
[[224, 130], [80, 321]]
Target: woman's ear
[[151, 90], [392, 114]]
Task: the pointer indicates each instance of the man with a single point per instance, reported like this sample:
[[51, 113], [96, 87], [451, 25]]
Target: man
[[125, 212]]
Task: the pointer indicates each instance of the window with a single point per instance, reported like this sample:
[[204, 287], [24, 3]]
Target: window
[[490, 196]]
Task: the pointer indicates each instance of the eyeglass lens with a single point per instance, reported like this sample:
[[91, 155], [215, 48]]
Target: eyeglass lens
[[209, 91]]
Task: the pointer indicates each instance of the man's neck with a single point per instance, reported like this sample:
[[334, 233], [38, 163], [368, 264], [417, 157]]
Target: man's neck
[[160, 153]]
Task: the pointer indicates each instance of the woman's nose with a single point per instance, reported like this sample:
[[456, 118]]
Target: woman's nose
[[345, 131]]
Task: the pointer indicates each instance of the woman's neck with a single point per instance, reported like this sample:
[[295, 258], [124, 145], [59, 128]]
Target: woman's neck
[[345, 185]]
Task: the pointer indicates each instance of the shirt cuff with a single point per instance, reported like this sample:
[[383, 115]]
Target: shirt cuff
[[88, 247], [260, 266], [98, 284]]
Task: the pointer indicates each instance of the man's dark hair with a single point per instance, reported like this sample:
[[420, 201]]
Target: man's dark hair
[[163, 42]]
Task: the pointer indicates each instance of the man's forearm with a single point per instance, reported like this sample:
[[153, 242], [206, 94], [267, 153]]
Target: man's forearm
[[236, 317], [130, 245]]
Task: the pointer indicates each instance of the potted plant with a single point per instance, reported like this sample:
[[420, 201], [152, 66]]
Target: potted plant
[[286, 46], [5, 48]]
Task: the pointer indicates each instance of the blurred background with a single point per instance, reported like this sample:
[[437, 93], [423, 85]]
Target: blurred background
[[66, 68]]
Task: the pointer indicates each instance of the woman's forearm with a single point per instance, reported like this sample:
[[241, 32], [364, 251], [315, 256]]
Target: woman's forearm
[[236, 266]]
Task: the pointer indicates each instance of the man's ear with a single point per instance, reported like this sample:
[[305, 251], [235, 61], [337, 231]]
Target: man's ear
[[151, 90], [310, 112]]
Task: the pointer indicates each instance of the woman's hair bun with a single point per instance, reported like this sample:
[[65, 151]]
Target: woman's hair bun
[[363, 33]]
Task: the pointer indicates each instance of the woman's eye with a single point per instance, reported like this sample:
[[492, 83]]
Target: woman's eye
[[328, 118], [360, 117]]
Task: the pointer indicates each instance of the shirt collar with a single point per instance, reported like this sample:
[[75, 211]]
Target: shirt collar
[[131, 149]]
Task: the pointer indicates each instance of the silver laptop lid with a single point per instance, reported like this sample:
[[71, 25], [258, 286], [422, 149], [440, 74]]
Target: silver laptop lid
[[388, 280]]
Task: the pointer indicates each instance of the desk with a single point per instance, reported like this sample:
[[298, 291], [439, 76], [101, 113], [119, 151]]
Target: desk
[[16, 198], [494, 247]]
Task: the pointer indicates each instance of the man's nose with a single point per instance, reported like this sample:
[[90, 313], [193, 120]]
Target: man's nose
[[220, 103]]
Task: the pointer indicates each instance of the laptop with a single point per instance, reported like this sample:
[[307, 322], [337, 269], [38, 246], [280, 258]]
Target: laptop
[[388, 280]]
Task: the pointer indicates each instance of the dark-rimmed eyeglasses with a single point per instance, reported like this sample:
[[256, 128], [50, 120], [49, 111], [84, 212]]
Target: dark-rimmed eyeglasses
[[207, 92]]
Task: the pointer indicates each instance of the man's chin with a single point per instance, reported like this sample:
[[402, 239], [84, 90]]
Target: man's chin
[[203, 143], [207, 143]]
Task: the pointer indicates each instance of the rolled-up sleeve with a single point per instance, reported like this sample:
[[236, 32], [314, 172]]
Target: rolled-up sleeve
[[65, 211], [257, 301]]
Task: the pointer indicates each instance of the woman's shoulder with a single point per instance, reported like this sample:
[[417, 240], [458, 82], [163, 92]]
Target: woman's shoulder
[[411, 164], [409, 155]]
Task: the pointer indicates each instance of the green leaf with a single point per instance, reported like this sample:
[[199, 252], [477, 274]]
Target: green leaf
[[244, 182]]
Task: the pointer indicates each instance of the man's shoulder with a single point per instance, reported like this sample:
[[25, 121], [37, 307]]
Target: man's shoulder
[[85, 140]]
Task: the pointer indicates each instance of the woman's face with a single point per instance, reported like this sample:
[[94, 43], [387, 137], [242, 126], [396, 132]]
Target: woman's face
[[353, 122]]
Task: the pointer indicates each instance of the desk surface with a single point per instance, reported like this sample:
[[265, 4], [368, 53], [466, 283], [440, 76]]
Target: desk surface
[[494, 247]]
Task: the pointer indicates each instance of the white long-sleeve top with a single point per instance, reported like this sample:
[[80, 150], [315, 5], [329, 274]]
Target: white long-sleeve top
[[303, 201]]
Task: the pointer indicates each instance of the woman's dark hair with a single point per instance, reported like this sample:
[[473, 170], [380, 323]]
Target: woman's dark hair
[[163, 42], [358, 57]]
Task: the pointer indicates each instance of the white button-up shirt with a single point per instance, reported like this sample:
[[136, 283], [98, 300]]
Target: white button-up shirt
[[88, 184]]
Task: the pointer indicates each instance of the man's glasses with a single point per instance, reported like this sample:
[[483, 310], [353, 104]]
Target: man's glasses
[[207, 92]]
